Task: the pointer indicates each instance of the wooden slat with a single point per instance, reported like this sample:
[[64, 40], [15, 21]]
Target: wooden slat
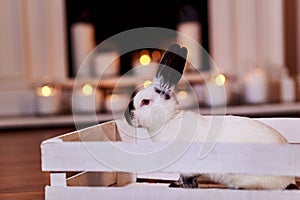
[[264, 159], [58, 179], [162, 191]]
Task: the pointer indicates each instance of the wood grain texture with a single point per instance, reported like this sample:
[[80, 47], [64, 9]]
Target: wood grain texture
[[20, 163]]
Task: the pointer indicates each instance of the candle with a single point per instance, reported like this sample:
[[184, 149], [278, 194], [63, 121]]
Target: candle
[[255, 90], [86, 99], [287, 88], [186, 99], [189, 28], [48, 99], [107, 64], [144, 65], [83, 41], [199, 90], [217, 92], [116, 102]]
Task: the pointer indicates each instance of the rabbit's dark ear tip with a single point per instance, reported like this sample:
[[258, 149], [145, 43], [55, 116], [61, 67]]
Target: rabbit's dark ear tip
[[183, 52], [178, 50], [176, 47]]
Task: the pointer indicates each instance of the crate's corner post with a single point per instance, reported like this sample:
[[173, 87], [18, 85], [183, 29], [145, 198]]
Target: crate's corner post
[[58, 179]]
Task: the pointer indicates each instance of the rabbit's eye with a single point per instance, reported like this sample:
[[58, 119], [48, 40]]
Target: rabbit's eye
[[145, 102]]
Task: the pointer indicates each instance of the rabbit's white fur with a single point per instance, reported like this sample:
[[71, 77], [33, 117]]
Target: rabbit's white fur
[[162, 118]]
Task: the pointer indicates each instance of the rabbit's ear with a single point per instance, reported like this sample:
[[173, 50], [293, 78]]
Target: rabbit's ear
[[170, 68]]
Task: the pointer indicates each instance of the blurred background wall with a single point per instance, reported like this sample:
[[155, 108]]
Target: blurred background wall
[[36, 42]]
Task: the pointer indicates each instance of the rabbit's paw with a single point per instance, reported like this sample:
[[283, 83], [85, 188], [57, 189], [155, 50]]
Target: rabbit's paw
[[186, 182]]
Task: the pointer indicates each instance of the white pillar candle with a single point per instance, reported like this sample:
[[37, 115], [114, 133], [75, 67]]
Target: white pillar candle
[[189, 29], [83, 41], [186, 99], [86, 99], [107, 64], [255, 87], [217, 92], [145, 72], [215, 95], [245, 28], [199, 90], [287, 88], [46, 53], [143, 65], [189, 37], [48, 100], [116, 102], [222, 40]]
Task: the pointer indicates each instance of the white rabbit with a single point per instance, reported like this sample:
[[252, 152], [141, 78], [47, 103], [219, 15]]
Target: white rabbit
[[156, 109]]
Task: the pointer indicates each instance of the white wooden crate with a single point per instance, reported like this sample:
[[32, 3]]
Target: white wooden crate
[[93, 179]]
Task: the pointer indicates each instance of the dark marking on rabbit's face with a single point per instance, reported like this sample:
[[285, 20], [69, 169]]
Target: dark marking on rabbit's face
[[138, 108], [166, 95], [129, 114]]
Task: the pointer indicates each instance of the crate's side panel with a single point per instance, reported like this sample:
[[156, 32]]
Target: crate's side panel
[[256, 159], [72, 136], [161, 191], [108, 156], [71, 157], [102, 132]]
